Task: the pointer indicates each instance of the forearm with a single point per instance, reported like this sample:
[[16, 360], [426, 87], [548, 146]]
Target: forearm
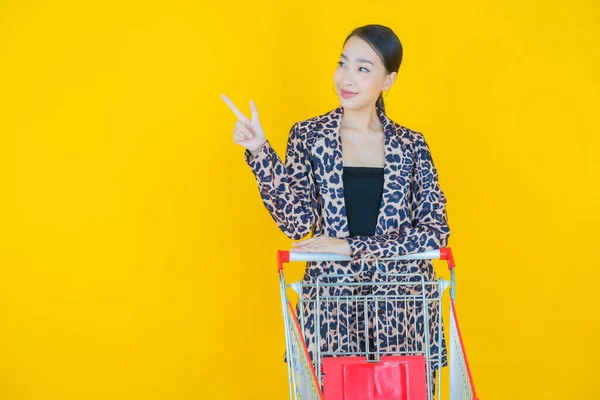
[[287, 199], [407, 241]]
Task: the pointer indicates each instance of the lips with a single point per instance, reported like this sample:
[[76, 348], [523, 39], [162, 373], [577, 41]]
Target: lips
[[347, 94]]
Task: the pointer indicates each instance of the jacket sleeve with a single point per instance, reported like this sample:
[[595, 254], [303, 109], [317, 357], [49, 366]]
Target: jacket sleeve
[[429, 228], [286, 189]]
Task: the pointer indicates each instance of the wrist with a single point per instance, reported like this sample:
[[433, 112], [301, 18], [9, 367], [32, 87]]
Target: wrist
[[256, 150], [349, 251], [354, 247]]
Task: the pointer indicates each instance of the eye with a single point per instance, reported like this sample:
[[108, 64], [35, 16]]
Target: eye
[[340, 63]]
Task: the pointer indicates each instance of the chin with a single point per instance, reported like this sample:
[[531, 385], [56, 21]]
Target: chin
[[350, 104]]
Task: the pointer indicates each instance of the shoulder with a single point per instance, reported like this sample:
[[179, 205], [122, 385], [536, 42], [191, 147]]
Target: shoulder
[[308, 130], [413, 139], [316, 123], [414, 142]]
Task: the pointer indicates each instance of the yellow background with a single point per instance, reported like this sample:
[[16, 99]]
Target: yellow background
[[137, 260]]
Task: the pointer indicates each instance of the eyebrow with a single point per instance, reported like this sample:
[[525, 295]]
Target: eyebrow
[[361, 60]]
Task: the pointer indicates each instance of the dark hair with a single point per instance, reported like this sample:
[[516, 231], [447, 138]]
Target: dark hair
[[385, 43]]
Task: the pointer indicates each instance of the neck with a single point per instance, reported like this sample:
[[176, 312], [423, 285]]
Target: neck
[[362, 120]]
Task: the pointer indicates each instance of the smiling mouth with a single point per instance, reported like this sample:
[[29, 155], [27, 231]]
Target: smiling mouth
[[347, 93]]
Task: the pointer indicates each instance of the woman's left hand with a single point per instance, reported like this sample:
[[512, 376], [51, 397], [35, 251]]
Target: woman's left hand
[[323, 244]]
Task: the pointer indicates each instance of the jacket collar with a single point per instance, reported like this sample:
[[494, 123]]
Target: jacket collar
[[333, 120], [396, 157]]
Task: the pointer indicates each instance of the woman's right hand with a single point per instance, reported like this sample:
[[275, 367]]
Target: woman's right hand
[[247, 133]]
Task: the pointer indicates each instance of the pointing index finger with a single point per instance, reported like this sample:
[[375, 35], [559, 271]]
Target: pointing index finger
[[235, 110]]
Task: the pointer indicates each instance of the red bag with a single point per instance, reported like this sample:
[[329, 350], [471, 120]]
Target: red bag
[[393, 378]]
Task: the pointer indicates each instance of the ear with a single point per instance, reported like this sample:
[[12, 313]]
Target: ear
[[389, 81]]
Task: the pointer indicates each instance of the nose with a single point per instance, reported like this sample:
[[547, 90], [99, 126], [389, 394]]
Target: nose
[[348, 84], [347, 81]]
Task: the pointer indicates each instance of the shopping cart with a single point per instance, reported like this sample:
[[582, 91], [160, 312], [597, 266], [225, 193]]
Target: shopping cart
[[365, 372]]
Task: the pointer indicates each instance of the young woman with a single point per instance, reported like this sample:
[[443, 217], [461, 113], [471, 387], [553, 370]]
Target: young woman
[[361, 183]]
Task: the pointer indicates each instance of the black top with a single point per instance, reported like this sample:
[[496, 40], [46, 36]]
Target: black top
[[363, 187]]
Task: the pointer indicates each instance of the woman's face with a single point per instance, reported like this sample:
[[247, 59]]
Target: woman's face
[[360, 71]]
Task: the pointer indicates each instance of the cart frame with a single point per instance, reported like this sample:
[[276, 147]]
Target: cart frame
[[305, 376]]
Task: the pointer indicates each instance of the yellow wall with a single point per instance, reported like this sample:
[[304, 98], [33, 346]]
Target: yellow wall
[[137, 261]]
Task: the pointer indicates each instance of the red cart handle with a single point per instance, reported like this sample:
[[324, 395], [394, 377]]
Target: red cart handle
[[446, 254], [283, 256]]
